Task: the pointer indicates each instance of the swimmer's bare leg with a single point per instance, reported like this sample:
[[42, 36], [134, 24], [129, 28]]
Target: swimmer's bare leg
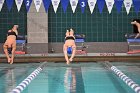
[[73, 53], [13, 53], [65, 54], [6, 53]]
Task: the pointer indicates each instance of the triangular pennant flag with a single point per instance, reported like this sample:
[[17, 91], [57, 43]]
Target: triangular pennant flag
[[19, 3], [118, 4], [46, 4], [109, 4], [37, 4], [55, 4], [9, 4], [1, 4], [127, 4], [27, 4], [136, 4], [83, 4], [73, 4], [64, 4], [91, 4], [101, 4]]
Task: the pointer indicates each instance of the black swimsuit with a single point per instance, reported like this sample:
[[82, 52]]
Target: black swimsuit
[[70, 38], [9, 50], [11, 33]]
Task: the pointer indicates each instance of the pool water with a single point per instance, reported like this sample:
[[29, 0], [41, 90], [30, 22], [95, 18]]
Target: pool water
[[75, 78]]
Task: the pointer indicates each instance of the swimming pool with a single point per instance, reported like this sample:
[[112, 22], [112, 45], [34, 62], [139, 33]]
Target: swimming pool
[[76, 78]]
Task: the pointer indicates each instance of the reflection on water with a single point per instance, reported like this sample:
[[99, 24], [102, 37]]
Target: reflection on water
[[10, 80], [70, 81]]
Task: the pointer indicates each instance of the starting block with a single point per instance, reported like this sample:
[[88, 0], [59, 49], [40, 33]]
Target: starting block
[[21, 44], [133, 40], [80, 39], [133, 45]]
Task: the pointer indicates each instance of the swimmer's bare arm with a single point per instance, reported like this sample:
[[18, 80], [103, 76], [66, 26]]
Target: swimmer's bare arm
[[134, 22]]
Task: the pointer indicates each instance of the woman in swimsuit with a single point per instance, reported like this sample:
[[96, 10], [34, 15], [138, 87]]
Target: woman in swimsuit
[[138, 27], [69, 42], [10, 44]]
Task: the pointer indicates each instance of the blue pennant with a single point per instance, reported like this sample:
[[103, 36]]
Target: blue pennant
[[118, 4], [46, 4], [83, 4], [64, 4], [101, 4], [9, 4], [27, 4], [136, 4]]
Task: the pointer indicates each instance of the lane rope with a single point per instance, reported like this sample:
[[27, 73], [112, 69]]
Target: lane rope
[[123, 77], [28, 80]]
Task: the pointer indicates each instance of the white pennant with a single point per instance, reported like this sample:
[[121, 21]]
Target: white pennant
[[19, 3], [1, 4], [55, 4], [91, 4], [73, 4], [109, 4], [127, 4], [37, 4]]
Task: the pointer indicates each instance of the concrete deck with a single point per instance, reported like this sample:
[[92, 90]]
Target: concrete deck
[[89, 57]]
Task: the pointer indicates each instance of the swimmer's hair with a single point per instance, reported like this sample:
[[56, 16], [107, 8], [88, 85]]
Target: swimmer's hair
[[16, 26], [71, 29], [137, 20], [16, 29]]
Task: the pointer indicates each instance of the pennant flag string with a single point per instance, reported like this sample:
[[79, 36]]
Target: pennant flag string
[[73, 4]]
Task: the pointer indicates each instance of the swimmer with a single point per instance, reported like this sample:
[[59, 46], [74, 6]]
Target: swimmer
[[138, 27], [10, 44], [69, 42]]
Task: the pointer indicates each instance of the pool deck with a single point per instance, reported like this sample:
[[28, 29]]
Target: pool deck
[[59, 57]]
